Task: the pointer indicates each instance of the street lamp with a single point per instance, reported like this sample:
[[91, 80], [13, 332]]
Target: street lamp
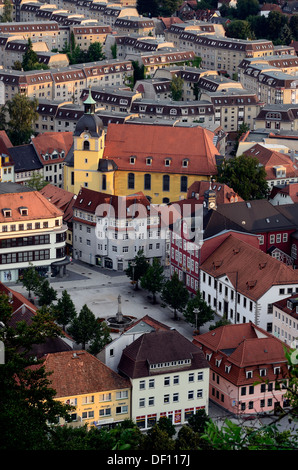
[[133, 265], [196, 311]]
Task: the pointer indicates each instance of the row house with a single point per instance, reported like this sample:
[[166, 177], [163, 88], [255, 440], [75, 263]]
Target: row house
[[63, 116], [169, 377], [15, 50], [270, 84], [277, 116], [174, 31], [286, 63], [233, 107], [134, 25], [31, 233], [57, 116], [248, 369], [161, 59], [99, 396], [221, 53], [66, 83], [108, 232], [193, 79], [46, 31], [154, 88], [201, 112], [112, 98], [133, 44], [52, 149], [285, 320], [84, 34]]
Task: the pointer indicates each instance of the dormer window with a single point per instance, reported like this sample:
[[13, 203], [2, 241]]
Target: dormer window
[[276, 370], [167, 162], [249, 374], [185, 163], [263, 372], [148, 161], [7, 212], [23, 210], [227, 368], [132, 160], [218, 362], [289, 305]]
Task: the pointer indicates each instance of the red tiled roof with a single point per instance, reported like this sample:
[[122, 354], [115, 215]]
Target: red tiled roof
[[271, 158], [224, 194], [88, 200], [61, 198], [245, 347], [250, 268], [160, 142], [38, 206], [48, 142], [78, 373]]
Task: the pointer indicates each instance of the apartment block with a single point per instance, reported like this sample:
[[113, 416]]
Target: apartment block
[[32, 233]]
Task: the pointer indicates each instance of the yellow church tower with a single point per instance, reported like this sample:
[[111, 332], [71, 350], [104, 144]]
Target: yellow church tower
[[85, 169]]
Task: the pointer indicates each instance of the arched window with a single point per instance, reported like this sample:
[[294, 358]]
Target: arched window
[[86, 145], [147, 181], [183, 184], [131, 181], [166, 183]]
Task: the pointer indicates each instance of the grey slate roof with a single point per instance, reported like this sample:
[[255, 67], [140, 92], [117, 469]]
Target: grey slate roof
[[25, 158]]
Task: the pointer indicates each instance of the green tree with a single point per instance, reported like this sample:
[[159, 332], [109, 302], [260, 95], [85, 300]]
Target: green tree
[[114, 50], [37, 182], [95, 53], [137, 268], [64, 310], [102, 336], [157, 439], [293, 23], [138, 71], [275, 21], [245, 176], [148, 8], [187, 439], [22, 114], [239, 29], [198, 421], [85, 328], [30, 58], [176, 88], [153, 278], [175, 294], [46, 293], [197, 311], [30, 279], [246, 8], [258, 26], [286, 35], [28, 408], [7, 12]]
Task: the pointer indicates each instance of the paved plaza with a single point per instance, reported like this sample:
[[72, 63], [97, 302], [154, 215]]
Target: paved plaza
[[99, 289]]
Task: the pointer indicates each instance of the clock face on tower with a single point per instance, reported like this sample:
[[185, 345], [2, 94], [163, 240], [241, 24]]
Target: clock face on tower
[[212, 204], [86, 136]]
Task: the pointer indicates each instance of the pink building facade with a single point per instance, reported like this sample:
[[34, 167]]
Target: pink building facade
[[248, 369]]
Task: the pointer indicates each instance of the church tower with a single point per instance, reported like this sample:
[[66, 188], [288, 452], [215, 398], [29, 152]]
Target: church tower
[[88, 147]]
